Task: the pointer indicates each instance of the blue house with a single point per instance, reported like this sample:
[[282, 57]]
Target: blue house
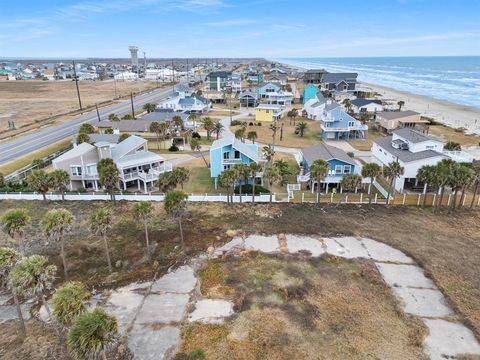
[[227, 152], [310, 92], [336, 124], [266, 89], [340, 164]]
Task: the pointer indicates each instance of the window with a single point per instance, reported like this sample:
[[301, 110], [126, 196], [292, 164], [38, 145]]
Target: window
[[91, 169], [347, 169], [76, 170], [226, 155], [351, 123], [226, 167], [237, 154], [338, 169], [141, 148]]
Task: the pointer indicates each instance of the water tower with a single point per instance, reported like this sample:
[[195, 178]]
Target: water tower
[[134, 55]]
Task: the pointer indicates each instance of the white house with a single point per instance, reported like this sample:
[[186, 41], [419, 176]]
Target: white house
[[313, 108], [126, 76], [369, 106], [412, 149], [184, 101]]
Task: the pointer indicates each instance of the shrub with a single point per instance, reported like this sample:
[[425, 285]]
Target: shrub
[[247, 189], [173, 148], [196, 135], [236, 123], [259, 124], [197, 354]]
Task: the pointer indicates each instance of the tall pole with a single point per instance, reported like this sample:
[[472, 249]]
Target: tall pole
[[131, 101], [76, 83], [98, 114], [188, 80], [115, 85], [173, 76]]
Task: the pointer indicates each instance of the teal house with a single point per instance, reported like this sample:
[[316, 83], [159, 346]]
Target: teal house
[[227, 152], [310, 92]]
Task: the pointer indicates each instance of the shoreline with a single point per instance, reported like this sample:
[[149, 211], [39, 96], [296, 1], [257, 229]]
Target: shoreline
[[442, 111]]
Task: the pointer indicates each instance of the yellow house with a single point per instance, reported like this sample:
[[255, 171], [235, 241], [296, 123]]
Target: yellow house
[[268, 113]]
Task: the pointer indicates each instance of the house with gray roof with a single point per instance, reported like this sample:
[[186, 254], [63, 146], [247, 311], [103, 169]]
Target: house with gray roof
[[185, 101], [366, 106], [412, 150], [138, 167], [338, 81]]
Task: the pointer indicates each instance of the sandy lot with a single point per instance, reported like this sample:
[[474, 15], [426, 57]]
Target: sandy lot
[[453, 115], [34, 101]]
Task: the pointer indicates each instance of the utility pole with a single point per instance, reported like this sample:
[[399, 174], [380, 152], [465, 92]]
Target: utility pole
[[76, 83], [115, 85], [131, 101], [98, 114], [187, 73]]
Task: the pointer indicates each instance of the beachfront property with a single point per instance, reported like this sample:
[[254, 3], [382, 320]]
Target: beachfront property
[[366, 106], [340, 164], [314, 108], [137, 166], [313, 76], [248, 98], [185, 101], [277, 78], [226, 152], [338, 81], [391, 120], [273, 94], [266, 89], [268, 112], [412, 149], [309, 92], [336, 124], [224, 80]]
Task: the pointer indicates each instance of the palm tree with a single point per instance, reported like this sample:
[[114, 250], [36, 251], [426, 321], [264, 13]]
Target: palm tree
[[293, 115], [372, 171], [392, 171], [101, 224], [92, 334], [208, 126], [142, 211], [70, 301], [86, 128], [178, 122], [175, 204], [166, 181], [8, 259], [39, 181], [242, 172], [149, 107], [274, 128], [13, 223], [82, 138], [283, 170], [33, 276], [163, 131], [195, 146], [252, 135], [400, 105], [268, 153], [109, 175], [301, 127], [181, 175], [476, 179], [271, 176], [461, 178], [254, 169], [227, 180], [348, 104], [351, 182], [426, 174], [59, 179], [218, 128], [240, 134], [318, 172], [113, 117], [56, 224], [155, 128]]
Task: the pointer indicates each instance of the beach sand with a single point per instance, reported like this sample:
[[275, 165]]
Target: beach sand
[[442, 111]]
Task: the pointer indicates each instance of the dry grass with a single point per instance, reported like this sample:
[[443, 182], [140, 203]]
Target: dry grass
[[298, 308], [366, 144], [449, 134], [32, 102], [290, 139]]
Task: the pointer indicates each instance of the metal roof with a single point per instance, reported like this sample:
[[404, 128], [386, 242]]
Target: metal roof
[[238, 145], [406, 155], [393, 115], [363, 102], [325, 152], [414, 136]]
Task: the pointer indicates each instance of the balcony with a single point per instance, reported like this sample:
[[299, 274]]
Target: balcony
[[459, 156], [232, 161], [152, 174]]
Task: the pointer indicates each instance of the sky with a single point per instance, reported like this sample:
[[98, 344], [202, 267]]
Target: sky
[[241, 28]]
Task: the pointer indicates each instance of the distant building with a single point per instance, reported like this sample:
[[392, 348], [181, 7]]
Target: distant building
[[338, 81], [368, 106], [224, 80], [184, 101], [314, 108], [309, 92], [268, 113], [248, 98], [391, 120], [313, 76]]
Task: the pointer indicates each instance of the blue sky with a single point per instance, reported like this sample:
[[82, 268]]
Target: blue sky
[[242, 28]]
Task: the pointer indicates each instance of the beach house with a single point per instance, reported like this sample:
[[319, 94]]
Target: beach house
[[412, 149], [366, 106], [265, 90], [338, 81], [137, 166], [218, 80], [268, 112], [226, 152], [391, 120], [313, 76], [336, 124], [314, 108], [340, 164], [248, 98], [185, 101], [309, 92]]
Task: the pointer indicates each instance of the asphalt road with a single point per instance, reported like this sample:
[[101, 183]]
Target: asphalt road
[[23, 145]]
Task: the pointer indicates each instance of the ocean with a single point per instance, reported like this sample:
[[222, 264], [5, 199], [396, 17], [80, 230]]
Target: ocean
[[452, 78]]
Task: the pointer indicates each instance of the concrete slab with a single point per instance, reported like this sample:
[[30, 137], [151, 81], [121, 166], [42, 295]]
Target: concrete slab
[[123, 305], [162, 308], [448, 339], [381, 252], [236, 242], [297, 243], [404, 276], [181, 280], [422, 302], [347, 247], [211, 310], [267, 244], [148, 343]]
